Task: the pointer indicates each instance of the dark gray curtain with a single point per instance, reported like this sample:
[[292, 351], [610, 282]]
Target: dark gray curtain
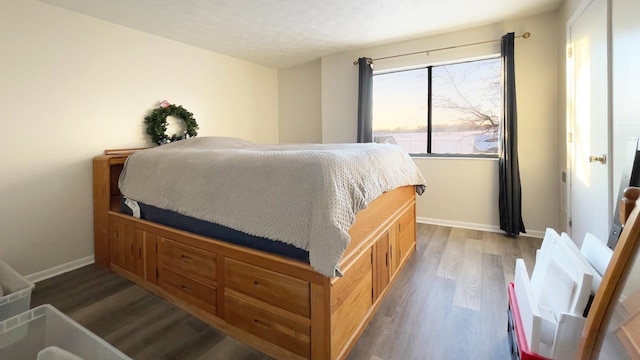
[[510, 198], [365, 100]]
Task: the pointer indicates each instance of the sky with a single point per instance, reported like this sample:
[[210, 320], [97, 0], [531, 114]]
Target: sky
[[400, 98]]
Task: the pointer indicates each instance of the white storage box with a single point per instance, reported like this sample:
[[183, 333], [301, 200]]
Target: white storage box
[[55, 353], [26, 335], [15, 297]]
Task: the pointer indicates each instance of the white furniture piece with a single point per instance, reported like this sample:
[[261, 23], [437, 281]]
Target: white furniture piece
[[553, 303]]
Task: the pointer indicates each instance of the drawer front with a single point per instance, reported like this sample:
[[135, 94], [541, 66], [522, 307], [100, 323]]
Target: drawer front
[[188, 289], [277, 329], [406, 232], [124, 243], [273, 288], [197, 264]]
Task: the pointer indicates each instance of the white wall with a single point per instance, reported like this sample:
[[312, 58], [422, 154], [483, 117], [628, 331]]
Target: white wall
[[564, 13], [300, 104], [464, 191], [71, 86]]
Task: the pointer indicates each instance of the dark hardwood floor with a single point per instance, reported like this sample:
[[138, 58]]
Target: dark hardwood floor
[[450, 302]]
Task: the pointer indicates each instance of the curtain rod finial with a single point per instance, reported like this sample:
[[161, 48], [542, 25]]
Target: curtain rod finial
[[526, 35], [369, 61]]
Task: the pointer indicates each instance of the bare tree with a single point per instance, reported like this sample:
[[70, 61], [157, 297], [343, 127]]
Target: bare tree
[[468, 93]]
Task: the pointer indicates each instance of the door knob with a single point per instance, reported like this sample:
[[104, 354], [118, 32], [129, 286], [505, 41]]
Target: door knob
[[602, 158]]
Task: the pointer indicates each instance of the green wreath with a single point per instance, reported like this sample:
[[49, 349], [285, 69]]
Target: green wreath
[[157, 124]]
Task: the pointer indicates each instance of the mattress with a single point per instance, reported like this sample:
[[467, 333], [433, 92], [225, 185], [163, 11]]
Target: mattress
[[305, 195], [216, 231]]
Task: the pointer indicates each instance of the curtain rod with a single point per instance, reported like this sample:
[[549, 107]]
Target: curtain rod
[[525, 35]]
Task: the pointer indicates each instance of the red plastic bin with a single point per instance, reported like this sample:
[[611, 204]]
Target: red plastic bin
[[517, 340]]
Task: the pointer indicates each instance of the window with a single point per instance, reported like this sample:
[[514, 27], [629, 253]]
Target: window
[[444, 109]]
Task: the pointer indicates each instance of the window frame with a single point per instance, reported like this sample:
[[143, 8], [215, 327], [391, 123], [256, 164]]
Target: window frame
[[429, 68]]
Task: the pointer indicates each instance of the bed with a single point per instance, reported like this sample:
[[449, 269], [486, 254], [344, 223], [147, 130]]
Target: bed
[[353, 237]]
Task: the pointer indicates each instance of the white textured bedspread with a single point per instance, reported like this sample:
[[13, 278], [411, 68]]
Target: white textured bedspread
[[306, 195]]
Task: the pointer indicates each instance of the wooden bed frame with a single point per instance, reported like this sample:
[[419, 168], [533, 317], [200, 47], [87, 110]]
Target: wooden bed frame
[[279, 306]]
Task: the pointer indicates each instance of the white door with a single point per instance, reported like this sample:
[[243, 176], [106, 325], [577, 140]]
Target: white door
[[587, 100]]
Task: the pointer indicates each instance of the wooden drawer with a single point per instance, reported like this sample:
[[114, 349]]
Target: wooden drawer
[[187, 289], [197, 264], [271, 287], [406, 232], [283, 331]]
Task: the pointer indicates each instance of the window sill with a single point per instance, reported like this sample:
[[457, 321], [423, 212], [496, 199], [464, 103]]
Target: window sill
[[456, 156]]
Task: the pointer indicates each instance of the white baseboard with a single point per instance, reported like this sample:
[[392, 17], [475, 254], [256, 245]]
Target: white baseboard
[[60, 269], [474, 226]]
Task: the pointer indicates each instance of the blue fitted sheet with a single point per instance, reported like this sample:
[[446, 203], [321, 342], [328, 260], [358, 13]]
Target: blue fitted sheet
[[218, 232]]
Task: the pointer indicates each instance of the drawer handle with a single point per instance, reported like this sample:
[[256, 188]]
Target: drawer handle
[[259, 322], [185, 257], [186, 289]]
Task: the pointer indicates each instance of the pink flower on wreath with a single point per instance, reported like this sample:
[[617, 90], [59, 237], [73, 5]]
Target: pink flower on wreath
[[164, 104]]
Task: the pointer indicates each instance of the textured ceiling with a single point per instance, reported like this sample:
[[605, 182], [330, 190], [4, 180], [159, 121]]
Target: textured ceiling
[[284, 33]]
